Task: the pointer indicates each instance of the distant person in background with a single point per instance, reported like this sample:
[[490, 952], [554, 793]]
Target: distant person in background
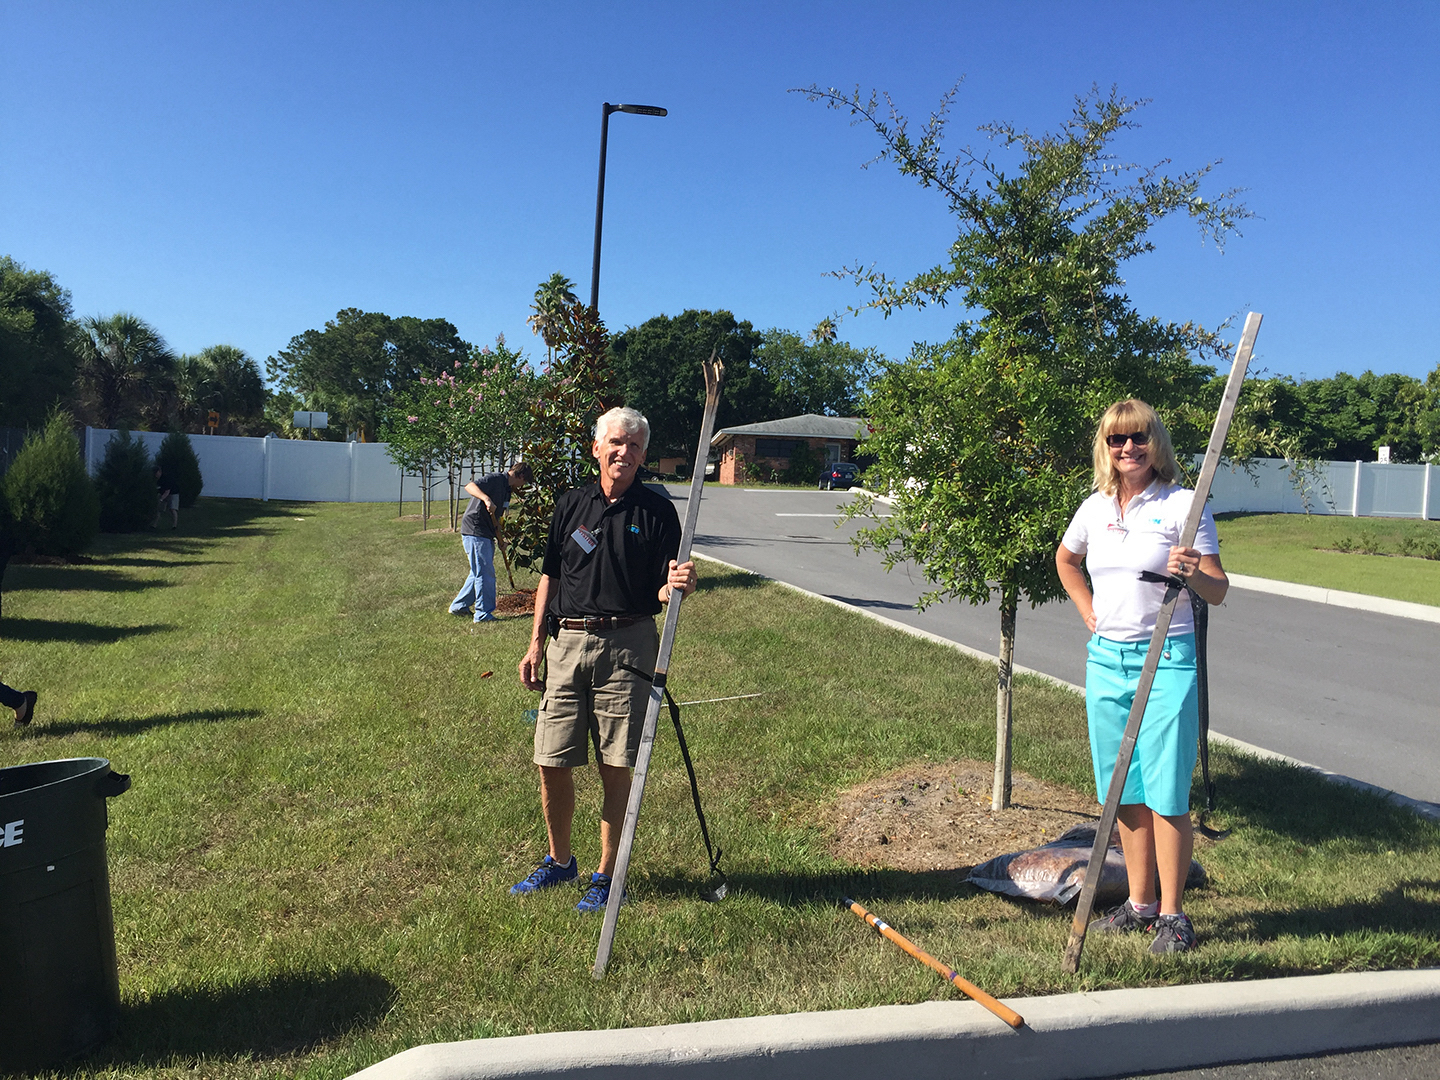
[[166, 496], [489, 496], [22, 701]]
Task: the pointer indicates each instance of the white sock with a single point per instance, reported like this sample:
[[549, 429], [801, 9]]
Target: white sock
[[1146, 911]]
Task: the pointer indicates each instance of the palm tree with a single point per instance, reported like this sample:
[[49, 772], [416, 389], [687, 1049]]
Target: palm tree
[[126, 373], [824, 330], [236, 389], [555, 293]]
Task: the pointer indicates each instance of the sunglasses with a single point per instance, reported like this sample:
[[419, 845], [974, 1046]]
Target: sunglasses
[[1117, 440]]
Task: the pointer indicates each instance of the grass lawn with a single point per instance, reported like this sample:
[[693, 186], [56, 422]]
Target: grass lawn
[[330, 803], [1363, 555]]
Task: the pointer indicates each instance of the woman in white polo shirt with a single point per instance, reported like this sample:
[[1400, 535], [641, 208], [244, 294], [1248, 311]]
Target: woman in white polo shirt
[[1132, 523]]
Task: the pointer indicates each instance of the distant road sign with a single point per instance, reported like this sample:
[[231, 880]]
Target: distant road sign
[[310, 420]]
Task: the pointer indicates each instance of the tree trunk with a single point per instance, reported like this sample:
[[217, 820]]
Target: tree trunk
[[1000, 795]]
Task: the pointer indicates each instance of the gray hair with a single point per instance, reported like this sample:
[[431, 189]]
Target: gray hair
[[630, 421]]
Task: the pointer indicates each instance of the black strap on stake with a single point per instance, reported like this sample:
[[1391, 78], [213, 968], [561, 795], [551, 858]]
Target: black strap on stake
[[1201, 610], [712, 852]]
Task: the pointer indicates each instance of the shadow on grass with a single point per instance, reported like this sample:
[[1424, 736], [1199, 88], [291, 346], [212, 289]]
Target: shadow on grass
[[1303, 807], [82, 633], [81, 579], [139, 560], [1407, 907], [272, 1017], [824, 888], [136, 724], [730, 579]]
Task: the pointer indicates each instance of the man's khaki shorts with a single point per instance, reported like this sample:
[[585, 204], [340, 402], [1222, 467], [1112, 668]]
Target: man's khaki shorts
[[590, 697]]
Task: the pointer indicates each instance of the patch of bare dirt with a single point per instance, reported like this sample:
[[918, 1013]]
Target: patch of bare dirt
[[938, 817], [519, 602]]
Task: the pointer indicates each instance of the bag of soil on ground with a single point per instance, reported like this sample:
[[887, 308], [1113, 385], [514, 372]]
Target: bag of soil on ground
[[1056, 871]]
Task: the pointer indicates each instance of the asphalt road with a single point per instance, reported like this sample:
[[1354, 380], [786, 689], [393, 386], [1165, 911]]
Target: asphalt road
[[1393, 1063], [1349, 691]]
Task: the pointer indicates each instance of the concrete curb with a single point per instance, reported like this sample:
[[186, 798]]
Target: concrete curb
[[1336, 597], [1066, 1037], [1424, 809]]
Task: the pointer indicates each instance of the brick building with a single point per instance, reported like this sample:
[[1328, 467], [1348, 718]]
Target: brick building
[[754, 450]]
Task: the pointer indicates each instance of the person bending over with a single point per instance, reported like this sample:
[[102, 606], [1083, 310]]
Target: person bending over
[[479, 531]]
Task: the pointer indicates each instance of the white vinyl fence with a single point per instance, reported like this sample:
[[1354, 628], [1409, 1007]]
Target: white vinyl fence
[[307, 471], [271, 468], [1350, 488]]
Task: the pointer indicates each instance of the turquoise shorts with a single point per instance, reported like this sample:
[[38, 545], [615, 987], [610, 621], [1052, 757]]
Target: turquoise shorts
[[1165, 751]]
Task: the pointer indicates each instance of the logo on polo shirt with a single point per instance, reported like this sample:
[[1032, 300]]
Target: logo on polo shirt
[[635, 528]]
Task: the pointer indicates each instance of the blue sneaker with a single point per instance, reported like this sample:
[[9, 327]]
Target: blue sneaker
[[598, 895], [546, 876]]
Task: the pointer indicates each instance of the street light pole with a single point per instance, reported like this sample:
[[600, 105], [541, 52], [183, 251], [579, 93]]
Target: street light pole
[[605, 110]]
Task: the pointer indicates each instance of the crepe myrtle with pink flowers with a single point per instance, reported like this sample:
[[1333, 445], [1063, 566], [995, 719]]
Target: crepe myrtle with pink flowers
[[455, 423]]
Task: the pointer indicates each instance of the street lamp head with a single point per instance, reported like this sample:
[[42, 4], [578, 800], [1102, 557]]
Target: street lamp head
[[642, 110]]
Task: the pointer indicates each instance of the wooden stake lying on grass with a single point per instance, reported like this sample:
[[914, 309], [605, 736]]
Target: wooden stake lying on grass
[[969, 989], [714, 373], [1086, 904]]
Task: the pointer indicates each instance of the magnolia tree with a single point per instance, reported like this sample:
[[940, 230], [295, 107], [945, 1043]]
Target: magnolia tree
[[578, 384], [472, 416], [985, 441]]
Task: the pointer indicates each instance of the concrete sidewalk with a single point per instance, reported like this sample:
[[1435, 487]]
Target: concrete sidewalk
[[1065, 1037]]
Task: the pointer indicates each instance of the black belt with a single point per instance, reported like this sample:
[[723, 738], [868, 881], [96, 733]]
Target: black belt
[[595, 624]]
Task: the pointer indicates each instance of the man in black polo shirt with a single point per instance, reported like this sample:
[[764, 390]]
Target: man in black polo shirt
[[609, 569]]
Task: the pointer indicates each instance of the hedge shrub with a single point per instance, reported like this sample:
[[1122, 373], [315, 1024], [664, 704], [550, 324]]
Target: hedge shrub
[[54, 505], [126, 482], [176, 457]]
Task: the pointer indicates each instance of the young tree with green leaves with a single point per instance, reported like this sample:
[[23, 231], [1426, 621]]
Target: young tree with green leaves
[[53, 505], [176, 458], [575, 388], [985, 441], [126, 483], [471, 416]]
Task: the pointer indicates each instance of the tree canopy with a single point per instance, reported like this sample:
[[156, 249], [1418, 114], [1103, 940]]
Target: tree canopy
[[354, 367], [984, 441], [126, 375], [37, 339], [821, 375], [657, 365]]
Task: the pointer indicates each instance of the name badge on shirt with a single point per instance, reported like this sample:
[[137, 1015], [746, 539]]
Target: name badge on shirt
[[585, 538]]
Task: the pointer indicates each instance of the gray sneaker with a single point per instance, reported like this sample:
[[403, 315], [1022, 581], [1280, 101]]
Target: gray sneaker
[[1173, 933], [1123, 920]]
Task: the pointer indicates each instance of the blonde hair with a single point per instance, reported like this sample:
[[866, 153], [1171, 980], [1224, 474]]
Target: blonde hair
[[1127, 416]]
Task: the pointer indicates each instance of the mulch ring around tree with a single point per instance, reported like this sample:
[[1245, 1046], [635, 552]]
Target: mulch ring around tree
[[513, 605], [938, 817]]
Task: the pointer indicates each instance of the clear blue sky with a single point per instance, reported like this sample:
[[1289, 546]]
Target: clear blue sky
[[239, 172]]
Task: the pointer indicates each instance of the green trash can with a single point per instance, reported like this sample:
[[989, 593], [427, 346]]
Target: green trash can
[[59, 987]]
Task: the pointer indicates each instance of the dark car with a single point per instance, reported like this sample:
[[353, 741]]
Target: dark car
[[840, 474]]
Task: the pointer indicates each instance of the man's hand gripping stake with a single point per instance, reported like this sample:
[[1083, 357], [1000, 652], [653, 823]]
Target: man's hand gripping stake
[[1086, 904], [714, 373]]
